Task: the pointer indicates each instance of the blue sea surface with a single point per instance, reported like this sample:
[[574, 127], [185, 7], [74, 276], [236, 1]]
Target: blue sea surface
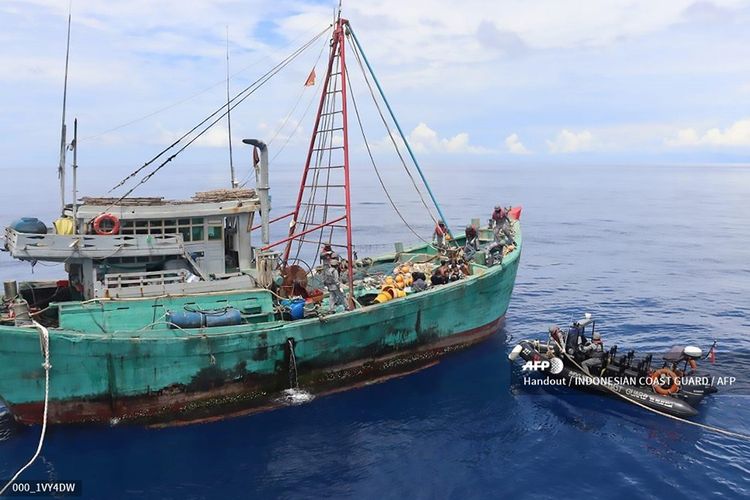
[[659, 255]]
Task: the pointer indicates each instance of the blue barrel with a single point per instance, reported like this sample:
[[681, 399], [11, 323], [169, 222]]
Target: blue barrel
[[29, 225], [184, 319], [297, 309], [226, 318]]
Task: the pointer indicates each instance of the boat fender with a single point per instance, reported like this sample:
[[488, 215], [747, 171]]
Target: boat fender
[[513, 355], [113, 221], [659, 386]]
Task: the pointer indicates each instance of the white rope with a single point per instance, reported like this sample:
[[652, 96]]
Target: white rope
[[707, 427], [44, 344]]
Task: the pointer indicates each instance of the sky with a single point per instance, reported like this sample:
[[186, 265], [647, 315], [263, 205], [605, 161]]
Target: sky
[[473, 82]]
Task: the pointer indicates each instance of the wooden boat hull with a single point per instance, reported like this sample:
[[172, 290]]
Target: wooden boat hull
[[174, 377]]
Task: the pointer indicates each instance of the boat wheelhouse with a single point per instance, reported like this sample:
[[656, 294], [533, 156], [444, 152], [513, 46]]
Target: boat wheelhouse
[[160, 246]]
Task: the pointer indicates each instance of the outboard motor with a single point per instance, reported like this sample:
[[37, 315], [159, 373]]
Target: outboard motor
[[571, 342]]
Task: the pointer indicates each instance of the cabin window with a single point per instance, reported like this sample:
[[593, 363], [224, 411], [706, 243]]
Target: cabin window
[[214, 233], [192, 229]]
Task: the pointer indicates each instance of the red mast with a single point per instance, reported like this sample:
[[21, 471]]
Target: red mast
[[324, 199]]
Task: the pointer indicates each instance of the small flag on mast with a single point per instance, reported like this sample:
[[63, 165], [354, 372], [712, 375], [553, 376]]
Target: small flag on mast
[[310, 79]]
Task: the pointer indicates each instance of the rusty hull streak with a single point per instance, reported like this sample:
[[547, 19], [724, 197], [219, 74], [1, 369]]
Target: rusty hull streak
[[210, 401]]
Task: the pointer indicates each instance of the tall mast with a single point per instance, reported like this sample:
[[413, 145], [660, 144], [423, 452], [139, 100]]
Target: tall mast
[[63, 139], [323, 209], [229, 121]]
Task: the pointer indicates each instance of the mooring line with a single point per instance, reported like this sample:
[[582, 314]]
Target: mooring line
[[44, 345]]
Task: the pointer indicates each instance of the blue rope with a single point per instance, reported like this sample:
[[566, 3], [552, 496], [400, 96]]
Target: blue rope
[[401, 132]]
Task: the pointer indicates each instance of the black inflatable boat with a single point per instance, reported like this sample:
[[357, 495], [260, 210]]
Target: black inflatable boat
[[674, 384]]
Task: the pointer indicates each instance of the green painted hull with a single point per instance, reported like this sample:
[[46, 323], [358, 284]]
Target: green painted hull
[[112, 362]]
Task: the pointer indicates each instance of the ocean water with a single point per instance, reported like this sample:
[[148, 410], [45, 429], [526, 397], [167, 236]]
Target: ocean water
[[659, 255]]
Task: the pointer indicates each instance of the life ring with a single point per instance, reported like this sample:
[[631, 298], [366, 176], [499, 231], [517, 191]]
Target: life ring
[[106, 231], [657, 384]]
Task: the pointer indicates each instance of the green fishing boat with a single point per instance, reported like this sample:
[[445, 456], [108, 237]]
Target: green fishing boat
[[175, 311]]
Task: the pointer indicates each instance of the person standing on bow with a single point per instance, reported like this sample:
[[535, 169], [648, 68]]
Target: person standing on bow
[[501, 226], [498, 216]]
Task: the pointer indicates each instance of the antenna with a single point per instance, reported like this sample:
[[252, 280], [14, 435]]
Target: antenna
[[229, 120], [63, 140]]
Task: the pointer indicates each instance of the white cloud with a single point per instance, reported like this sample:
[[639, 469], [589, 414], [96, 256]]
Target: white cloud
[[515, 146], [571, 142], [425, 140], [736, 135]]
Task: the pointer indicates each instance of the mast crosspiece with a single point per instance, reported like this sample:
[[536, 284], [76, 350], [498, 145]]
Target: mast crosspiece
[[325, 188]]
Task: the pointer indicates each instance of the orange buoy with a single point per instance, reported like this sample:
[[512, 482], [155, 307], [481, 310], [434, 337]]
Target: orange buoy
[[671, 385], [114, 225]]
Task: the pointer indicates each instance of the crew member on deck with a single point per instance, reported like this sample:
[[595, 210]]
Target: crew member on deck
[[556, 341], [440, 234], [332, 282], [594, 351], [440, 275], [498, 216], [472, 242], [501, 226], [327, 254]]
